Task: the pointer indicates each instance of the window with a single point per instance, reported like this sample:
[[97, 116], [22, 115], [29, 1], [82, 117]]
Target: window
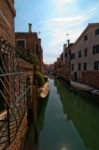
[[96, 65], [97, 31], [65, 55], [85, 52], [95, 49], [79, 66], [85, 66], [73, 56], [72, 67], [85, 37], [20, 44], [79, 54]]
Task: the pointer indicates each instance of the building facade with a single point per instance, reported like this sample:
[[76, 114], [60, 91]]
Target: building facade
[[16, 84], [29, 41], [85, 56], [62, 65], [67, 61]]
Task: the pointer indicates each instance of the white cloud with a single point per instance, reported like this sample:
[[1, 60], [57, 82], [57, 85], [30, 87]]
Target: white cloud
[[68, 1], [64, 21], [58, 27]]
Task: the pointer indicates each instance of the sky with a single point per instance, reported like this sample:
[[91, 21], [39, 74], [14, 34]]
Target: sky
[[55, 21]]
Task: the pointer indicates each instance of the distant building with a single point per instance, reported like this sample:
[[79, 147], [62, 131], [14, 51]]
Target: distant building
[[7, 14], [85, 56], [67, 61], [30, 41], [48, 69], [62, 65]]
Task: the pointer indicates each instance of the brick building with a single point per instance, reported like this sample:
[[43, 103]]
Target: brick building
[[16, 84], [30, 41], [7, 35], [7, 14]]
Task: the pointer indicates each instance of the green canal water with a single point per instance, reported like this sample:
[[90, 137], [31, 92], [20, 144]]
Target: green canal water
[[67, 120]]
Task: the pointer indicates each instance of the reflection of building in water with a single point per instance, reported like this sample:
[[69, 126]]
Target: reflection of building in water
[[41, 113], [84, 115], [33, 143]]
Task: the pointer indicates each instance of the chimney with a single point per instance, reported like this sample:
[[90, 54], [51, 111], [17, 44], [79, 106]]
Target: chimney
[[64, 46], [30, 27], [39, 41]]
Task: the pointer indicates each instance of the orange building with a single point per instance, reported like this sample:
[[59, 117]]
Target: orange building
[[30, 41]]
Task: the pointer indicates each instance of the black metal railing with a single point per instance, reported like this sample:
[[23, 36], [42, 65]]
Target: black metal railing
[[15, 95]]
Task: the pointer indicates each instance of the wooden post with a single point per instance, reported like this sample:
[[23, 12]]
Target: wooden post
[[34, 112], [8, 121]]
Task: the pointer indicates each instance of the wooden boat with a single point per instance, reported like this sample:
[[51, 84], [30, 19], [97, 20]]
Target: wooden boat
[[46, 78], [43, 91], [81, 86], [3, 115], [95, 92]]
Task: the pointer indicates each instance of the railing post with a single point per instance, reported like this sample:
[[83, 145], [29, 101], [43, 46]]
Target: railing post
[[8, 122]]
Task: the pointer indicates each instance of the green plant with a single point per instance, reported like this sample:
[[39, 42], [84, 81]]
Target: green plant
[[40, 78], [26, 55]]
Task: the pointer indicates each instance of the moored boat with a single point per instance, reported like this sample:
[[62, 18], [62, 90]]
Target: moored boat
[[95, 92], [81, 86], [3, 115], [43, 91]]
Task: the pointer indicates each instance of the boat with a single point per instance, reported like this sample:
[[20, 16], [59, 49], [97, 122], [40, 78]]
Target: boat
[[46, 78], [44, 91], [57, 76], [95, 92], [3, 115], [81, 86]]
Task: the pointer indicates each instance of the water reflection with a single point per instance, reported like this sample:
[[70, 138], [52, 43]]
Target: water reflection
[[66, 121], [81, 112], [32, 138]]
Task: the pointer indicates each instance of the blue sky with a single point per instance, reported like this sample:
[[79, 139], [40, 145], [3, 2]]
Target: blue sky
[[55, 19]]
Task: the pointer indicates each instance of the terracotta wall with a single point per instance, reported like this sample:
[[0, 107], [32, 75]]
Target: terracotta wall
[[7, 14], [91, 78]]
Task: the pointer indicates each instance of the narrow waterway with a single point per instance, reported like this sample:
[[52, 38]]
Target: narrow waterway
[[68, 120]]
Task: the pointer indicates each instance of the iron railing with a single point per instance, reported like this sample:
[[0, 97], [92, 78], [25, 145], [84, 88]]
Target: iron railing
[[15, 95]]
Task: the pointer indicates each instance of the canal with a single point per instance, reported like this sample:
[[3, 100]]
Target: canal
[[67, 120]]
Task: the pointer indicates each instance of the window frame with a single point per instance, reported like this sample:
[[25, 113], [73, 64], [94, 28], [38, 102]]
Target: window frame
[[79, 54], [85, 52], [85, 37], [96, 65], [97, 31], [79, 66], [84, 66]]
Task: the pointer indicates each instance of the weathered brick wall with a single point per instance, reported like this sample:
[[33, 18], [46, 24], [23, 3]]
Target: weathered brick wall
[[7, 14], [25, 66], [91, 78], [30, 42], [16, 145]]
